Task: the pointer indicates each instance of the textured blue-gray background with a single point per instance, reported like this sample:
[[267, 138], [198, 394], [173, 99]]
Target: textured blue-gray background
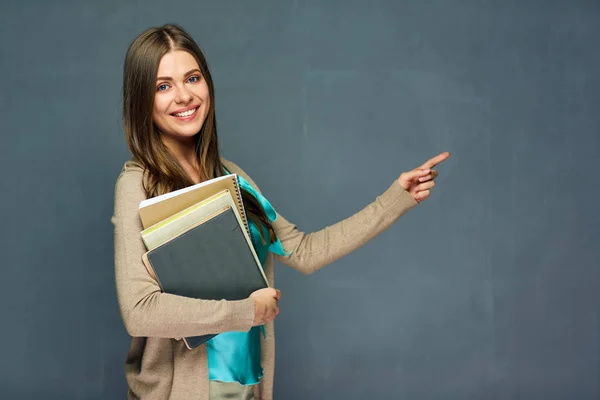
[[488, 290]]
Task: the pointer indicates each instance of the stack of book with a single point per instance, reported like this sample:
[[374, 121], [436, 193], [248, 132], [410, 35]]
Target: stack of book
[[199, 244]]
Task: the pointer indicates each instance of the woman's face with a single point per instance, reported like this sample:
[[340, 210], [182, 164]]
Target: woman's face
[[181, 100]]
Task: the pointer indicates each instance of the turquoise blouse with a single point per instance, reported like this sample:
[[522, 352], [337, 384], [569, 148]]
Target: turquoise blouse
[[235, 356]]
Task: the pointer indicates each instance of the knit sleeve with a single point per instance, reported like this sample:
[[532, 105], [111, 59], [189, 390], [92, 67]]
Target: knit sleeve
[[145, 310], [310, 252]]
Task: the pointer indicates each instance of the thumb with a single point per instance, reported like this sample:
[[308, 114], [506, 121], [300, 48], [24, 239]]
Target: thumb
[[407, 177]]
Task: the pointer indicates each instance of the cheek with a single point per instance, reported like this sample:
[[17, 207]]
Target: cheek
[[203, 93], [161, 105]]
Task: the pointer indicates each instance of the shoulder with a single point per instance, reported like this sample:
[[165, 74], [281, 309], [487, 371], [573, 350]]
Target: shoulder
[[231, 166], [130, 181], [130, 168], [235, 169]]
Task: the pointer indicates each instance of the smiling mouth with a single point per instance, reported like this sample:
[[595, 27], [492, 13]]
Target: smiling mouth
[[185, 114]]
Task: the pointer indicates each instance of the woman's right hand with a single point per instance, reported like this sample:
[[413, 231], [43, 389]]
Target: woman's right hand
[[420, 181], [265, 305]]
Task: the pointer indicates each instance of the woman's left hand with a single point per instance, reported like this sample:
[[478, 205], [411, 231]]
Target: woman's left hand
[[419, 181]]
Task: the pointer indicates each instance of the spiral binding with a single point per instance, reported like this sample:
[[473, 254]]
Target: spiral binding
[[238, 196]]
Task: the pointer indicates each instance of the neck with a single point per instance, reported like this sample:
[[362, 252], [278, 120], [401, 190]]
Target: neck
[[183, 149], [185, 153]]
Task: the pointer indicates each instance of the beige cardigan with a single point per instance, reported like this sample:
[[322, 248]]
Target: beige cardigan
[[160, 367]]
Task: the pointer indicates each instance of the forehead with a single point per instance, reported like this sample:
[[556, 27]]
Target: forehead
[[176, 63]]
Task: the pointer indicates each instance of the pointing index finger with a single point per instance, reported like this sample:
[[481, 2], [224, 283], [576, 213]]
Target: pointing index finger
[[435, 160]]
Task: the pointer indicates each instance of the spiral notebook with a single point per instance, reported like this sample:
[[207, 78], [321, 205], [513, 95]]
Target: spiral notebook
[[183, 220], [156, 209], [175, 225], [212, 260]]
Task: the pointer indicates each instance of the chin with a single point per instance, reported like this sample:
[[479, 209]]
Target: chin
[[187, 131]]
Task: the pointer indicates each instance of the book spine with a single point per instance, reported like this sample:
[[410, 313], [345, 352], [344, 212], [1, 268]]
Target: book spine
[[238, 199]]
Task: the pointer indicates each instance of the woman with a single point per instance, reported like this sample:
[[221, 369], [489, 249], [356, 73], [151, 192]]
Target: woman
[[170, 125]]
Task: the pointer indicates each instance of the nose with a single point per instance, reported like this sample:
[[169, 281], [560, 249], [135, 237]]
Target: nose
[[183, 95]]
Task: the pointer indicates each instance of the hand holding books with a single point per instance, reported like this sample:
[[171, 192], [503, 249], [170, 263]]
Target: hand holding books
[[266, 306]]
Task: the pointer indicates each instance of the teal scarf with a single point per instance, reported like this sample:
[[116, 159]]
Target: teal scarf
[[235, 356]]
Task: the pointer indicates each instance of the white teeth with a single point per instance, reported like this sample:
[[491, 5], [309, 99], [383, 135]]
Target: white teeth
[[185, 113]]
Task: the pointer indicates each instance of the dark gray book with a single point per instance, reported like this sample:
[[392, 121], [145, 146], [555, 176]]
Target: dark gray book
[[212, 261]]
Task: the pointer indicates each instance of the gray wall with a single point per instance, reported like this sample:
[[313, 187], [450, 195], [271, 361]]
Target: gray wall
[[489, 290]]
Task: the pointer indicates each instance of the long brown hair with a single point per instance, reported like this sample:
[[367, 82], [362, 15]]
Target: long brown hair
[[163, 173]]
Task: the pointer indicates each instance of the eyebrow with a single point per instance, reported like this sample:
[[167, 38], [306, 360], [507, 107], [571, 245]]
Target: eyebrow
[[168, 78]]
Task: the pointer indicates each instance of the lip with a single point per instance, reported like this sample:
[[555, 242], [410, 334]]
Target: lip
[[184, 109], [189, 117]]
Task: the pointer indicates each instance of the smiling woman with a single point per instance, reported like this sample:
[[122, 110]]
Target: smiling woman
[[182, 99], [170, 126]]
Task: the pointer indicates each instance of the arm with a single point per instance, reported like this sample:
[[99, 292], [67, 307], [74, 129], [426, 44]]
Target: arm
[[311, 252], [145, 310]]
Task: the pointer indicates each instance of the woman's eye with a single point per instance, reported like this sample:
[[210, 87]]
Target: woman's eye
[[162, 87], [194, 79]]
